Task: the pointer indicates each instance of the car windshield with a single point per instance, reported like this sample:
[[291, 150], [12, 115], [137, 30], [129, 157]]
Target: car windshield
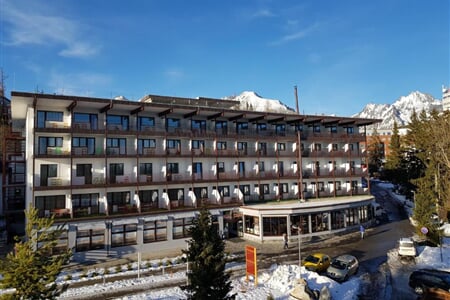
[[406, 244], [339, 264], [311, 259]]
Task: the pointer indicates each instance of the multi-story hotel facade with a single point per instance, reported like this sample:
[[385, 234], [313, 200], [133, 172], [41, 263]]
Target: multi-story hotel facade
[[134, 174]]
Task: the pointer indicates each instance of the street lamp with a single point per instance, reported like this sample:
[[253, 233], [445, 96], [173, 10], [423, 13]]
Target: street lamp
[[299, 230]]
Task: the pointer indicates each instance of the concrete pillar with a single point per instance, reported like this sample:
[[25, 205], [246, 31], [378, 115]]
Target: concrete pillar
[[108, 229], [169, 229], [72, 238], [309, 224], [140, 232]]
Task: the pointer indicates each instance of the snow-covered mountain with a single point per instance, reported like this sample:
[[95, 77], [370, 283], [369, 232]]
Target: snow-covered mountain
[[401, 110], [253, 102]]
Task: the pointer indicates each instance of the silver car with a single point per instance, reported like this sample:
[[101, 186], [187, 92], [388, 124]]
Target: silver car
[[342, 267]]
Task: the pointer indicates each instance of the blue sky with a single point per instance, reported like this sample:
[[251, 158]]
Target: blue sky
[[341, 54]]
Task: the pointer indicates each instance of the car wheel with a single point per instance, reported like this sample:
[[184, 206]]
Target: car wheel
[[418, 290]]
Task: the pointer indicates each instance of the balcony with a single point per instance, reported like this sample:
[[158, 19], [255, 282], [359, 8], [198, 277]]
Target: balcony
[[56, 124], [56, 181], [57, 151]]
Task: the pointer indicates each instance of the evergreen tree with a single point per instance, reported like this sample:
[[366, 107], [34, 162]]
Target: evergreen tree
[[31, 269], [376, 153], [393, 167], [206, 256]]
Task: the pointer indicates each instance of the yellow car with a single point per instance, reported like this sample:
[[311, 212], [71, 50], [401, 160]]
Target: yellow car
[[317, 262]]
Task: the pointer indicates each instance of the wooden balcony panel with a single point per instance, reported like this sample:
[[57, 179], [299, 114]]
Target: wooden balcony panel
[[61, 212]]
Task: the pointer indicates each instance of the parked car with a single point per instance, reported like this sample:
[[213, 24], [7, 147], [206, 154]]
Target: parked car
[[407, 247], [342, 267], [317, 262], [423, 279]]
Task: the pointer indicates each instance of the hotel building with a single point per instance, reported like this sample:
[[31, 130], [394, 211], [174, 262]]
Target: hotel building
[[133, 174]]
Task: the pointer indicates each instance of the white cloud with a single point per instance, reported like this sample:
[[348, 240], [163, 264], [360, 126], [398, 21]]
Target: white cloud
[[28, 26], [263, 13], [297, 35]]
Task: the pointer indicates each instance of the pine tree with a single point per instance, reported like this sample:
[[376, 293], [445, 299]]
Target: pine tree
[[206, 256], [31, 269], [393, 167], [376, 153]]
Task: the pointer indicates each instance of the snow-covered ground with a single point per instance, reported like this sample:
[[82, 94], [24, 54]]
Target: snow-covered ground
[[277, 282]]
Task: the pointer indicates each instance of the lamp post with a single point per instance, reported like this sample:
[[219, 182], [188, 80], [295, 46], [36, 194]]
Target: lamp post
[[299, 230]]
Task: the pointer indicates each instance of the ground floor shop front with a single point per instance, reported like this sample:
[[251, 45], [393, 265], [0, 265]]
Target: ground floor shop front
[[268, 222]]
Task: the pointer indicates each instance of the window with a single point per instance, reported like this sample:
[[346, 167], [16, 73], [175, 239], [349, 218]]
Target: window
[[85, 121], [333, 129], [351, 147], [44, 116], [144, 123], [261, 166], [354, 185], [262, 148], [45, 204], [114, 122], [198, 144], [338, 185], [299, 127], [173, 144], [83, 170], [221, 124], [241, 126], [350, 130], [274, 226], [123, 235], [172, 168], [321, 186], [173, 123], [281, 146], [48, 171], [317, 147], [316, 128], [220, 167], [221, 145], [197, 168], [245, 189], [155, 231], [90, 239], [146, 145], [335, 147], [149, 196], [242, 148], [116, 199], [198, 125], [116, 146], [114, 171], [145, 169], [280, 129], [85, 204], [181, 228], [224, 190], [50, 145], [264, 189], [261, 126], [83, 145]]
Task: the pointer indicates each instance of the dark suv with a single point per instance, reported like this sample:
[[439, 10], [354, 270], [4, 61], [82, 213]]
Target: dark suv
[[423, 279]]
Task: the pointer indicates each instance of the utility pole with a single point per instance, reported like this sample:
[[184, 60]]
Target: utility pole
[[299, 152]]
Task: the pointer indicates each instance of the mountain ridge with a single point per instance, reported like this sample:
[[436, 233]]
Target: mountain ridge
[[399, 111]]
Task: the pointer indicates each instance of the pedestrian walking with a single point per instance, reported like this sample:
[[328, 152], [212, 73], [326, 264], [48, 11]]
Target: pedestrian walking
[[362, 230], [285, 239]]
